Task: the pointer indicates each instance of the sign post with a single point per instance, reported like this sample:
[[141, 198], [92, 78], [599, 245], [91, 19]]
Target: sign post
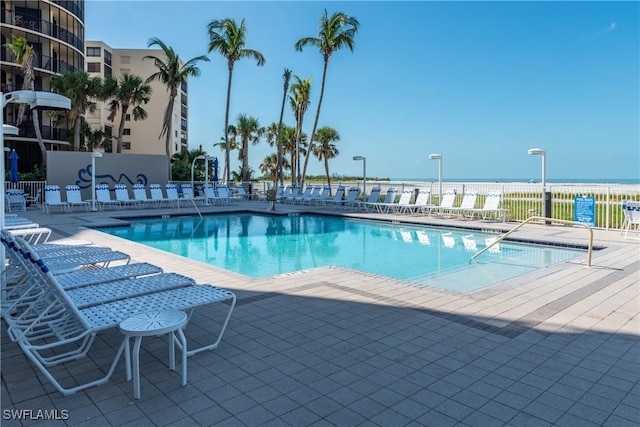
[[584, 210]]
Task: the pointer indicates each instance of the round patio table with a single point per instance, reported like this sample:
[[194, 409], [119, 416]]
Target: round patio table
[[154, 323]]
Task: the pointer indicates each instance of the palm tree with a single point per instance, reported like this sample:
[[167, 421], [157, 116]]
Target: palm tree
[[333, 34], [299, 100], [23, 52], [287, 77], [131, 91], [181, 164], [249, 131], [82, 90], [269, 166], [94, 138], [291, 146], [229, 39], [326, 150], [172, 72], [233, 145]]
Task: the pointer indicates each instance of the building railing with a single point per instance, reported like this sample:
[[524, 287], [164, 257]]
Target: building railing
[[43, 27]]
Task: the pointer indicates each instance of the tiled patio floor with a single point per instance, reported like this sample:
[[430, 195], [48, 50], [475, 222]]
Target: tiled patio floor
[[330, 346]]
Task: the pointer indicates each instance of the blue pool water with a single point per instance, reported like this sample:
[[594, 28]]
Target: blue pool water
[[265, 245]]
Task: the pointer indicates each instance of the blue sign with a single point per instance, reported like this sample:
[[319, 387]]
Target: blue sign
[[584, 210]]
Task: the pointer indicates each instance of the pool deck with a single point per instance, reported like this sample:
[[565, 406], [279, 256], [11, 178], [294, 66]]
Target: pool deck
[[331, 346]]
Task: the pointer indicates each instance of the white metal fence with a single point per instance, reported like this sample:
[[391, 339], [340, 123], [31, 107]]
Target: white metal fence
[[521, 200]]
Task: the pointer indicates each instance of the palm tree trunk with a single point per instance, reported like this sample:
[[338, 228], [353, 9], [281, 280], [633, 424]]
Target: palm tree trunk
[[245, 161], [227, 157], [326, 169], [121, 127], [36, 126], [43, 149], [278, 174], [315, 122], [169, 120]]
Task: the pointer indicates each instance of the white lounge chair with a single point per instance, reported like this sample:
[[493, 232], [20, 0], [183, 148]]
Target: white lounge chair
[[420, 205], [241, 193], [305, 194], [288, 197], [404, 201], [393, 206], [352, 198], [157, 197], [141, 197], [172, 194], [74, 198], [336, 199], [52, 198], [33, 235], [15, 200], [325, 194], [34, 200], [491, 208], [54, 324], [103, 196], [467, 205], [632, 214], [446, 203], [122, 195], [374, 197], [224, 194], [312, 197], [283, 192], [389, 198], [187, 193]]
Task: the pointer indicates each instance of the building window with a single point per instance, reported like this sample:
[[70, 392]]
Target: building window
[[126, 131], [108, 130], [93, 51], [107, 71], [127, 117], [93, 67], [126, 146], [107, 57]]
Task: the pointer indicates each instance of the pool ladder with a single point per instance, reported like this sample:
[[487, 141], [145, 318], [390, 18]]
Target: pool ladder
[[539, 218]]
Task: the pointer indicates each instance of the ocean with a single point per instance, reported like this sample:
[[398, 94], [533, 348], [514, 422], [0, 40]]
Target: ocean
[[626, 181]]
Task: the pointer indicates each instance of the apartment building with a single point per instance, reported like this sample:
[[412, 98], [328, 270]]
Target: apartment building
[[142, 136], [55, 29]]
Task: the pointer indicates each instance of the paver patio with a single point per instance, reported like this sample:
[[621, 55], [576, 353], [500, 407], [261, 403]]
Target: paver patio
[[330, 346]]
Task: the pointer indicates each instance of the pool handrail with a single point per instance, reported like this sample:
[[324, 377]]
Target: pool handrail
[[539, 218]]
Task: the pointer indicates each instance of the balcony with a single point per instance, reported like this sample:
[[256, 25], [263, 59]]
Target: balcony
[[42, 27], [26, 130]]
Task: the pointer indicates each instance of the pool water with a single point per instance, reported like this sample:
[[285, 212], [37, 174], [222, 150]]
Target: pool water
[[265, 245]]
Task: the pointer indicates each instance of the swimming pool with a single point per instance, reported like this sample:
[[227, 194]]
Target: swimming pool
[[267, 245]]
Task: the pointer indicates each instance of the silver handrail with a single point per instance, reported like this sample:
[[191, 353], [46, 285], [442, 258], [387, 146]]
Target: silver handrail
[[539, 218]]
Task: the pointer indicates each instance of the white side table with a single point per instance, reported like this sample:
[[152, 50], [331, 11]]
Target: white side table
[[154, 323]]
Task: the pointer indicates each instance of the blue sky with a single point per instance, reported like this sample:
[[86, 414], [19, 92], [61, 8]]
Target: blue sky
[[479, 82]]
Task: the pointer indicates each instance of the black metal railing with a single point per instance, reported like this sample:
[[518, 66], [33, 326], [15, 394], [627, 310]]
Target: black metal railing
[[43, 27]]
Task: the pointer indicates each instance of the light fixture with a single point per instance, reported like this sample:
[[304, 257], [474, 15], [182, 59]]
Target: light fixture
[[34, 99], [546, 196], [438, 157], [364, 173], [94, 155]]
